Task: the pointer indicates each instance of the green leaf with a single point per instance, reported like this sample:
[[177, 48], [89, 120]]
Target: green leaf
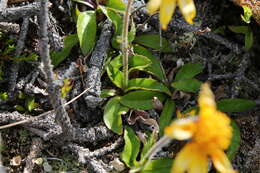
[[153, 41], [20, 108], [246, 30], [131, 33], [114, 17], [117, 21], [220, 30], [235, 105], [193, 108], [239, 29], [115, 75], [30, 104], [86, 29], [188, 71], [147, 84], [141, 100], [3, 95], [166, 115], [247, 14], [131, 147], [155, 68], [138, 62], [117, 62], [187, 85], [158, 166], [26, 57], [135, 63], [116, 4], [112, 115], [107, 93], [69, 42], [235, 141], [249, 40]]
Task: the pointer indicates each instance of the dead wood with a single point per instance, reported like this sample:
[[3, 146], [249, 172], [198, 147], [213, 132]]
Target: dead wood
[[15, 13], [34, 152], [96, 63]]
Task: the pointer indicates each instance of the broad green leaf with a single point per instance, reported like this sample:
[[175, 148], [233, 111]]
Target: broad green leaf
[[235, 141], [153, 41], [116, 4], [112, 115], [131, 147], [155, 68], [247, 14], [86, 29], [239, 29], [69, 42], [141, 100], [107, 93], [158, 166], [246, 30], [138, 62], [147, 84], [249, 40], [114, 17], [117, 21], [166, 115], [117, 62], [188, 71], [131, 33], [115, 75], [187, 85], [20, 108], [235, 105]]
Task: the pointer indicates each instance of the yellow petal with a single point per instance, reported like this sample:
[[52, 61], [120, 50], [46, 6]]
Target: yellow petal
[[188, 9], [206, 97], [153, 5], [181, 129], [166, 11], [221, 162], [190, 159]]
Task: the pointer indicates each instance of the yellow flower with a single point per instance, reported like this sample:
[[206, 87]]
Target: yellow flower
[[210, 134], [167, 8]]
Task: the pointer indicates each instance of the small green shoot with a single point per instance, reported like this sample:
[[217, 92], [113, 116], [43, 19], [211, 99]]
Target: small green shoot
[[3, 95], [247, 14]]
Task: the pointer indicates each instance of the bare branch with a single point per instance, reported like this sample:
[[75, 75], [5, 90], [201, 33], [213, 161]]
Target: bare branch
[[53, 89], [15, 13]]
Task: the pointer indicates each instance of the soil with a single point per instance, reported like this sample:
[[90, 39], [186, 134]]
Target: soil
[[232, 74]]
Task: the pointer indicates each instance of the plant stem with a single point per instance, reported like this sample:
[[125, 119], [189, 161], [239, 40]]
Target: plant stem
[[157, 147], [150, 154], [125, 43]]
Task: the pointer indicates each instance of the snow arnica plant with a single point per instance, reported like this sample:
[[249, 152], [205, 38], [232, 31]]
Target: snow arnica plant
[[146, 71], [209, 133]]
